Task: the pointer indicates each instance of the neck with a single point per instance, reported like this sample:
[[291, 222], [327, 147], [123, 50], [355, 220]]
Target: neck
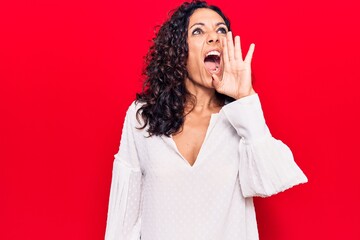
[[205, 98]]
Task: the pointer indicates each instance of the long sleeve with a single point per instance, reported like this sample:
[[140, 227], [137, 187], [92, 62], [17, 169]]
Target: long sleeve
[[123, 221], [266, 164]]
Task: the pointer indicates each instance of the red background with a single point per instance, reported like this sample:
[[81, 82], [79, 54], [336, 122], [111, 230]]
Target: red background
[[69, 69]]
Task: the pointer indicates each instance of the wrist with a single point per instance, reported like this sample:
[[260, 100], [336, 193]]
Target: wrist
[[245, 94]]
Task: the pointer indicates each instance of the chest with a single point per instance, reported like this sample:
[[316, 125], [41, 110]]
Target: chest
[[190, 140], [161, 157]]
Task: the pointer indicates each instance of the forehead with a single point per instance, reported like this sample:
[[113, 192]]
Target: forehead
[[206, 16]]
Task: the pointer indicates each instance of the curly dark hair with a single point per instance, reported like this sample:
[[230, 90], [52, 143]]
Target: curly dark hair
[[164, 93]]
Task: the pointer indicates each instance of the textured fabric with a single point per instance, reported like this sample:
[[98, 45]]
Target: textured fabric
[[158, 195]]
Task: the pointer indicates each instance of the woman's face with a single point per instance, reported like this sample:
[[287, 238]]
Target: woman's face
[[205, 29]]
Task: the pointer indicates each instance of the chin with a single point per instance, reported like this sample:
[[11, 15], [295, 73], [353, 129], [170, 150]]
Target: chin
[[209, 80]]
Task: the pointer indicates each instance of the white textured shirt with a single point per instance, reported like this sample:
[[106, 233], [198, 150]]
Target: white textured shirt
[[157, 195]]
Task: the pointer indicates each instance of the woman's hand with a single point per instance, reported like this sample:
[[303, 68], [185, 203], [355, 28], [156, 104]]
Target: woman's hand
[[236, 78]]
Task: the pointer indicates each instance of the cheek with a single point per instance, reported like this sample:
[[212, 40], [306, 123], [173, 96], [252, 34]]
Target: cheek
[[193, 64], [195, 48], [194, 58], [191, 60]]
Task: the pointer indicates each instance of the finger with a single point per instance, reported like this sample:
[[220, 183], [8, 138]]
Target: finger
[[217, 83], [238, 53], [250, 53], [225, 55], [230, 45]]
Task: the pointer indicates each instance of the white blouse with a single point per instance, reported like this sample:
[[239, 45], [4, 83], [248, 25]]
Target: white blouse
[[157, 195]]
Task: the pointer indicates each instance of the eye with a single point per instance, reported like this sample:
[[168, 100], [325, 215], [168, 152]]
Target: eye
[[197, 31], [222, 30]]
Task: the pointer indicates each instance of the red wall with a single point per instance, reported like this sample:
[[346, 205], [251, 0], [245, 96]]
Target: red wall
[[68, 71]]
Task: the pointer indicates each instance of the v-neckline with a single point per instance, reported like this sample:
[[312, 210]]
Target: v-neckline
[[213, 117]]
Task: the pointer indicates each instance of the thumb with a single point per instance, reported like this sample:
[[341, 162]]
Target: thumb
[[216, 81]]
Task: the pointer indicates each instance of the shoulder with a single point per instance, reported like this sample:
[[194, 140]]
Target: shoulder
[[133, 115], [134, 106]]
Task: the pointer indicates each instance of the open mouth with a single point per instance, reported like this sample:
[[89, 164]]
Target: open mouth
[[212, 62]]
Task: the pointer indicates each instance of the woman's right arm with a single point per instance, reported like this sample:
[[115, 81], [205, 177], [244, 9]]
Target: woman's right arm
[[123, 220]]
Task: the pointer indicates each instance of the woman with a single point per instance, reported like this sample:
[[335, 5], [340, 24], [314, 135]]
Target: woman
[[195, 148]]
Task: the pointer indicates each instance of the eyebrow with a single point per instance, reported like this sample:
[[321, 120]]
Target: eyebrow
[[203, 24]]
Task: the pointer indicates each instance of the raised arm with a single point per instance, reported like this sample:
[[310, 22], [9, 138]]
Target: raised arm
[[266, 164]]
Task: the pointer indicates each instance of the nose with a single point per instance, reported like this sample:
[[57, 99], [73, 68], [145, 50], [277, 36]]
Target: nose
[[212, 38]]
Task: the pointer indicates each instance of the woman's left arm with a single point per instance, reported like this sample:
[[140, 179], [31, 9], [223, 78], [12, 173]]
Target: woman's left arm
[[266, 164]]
